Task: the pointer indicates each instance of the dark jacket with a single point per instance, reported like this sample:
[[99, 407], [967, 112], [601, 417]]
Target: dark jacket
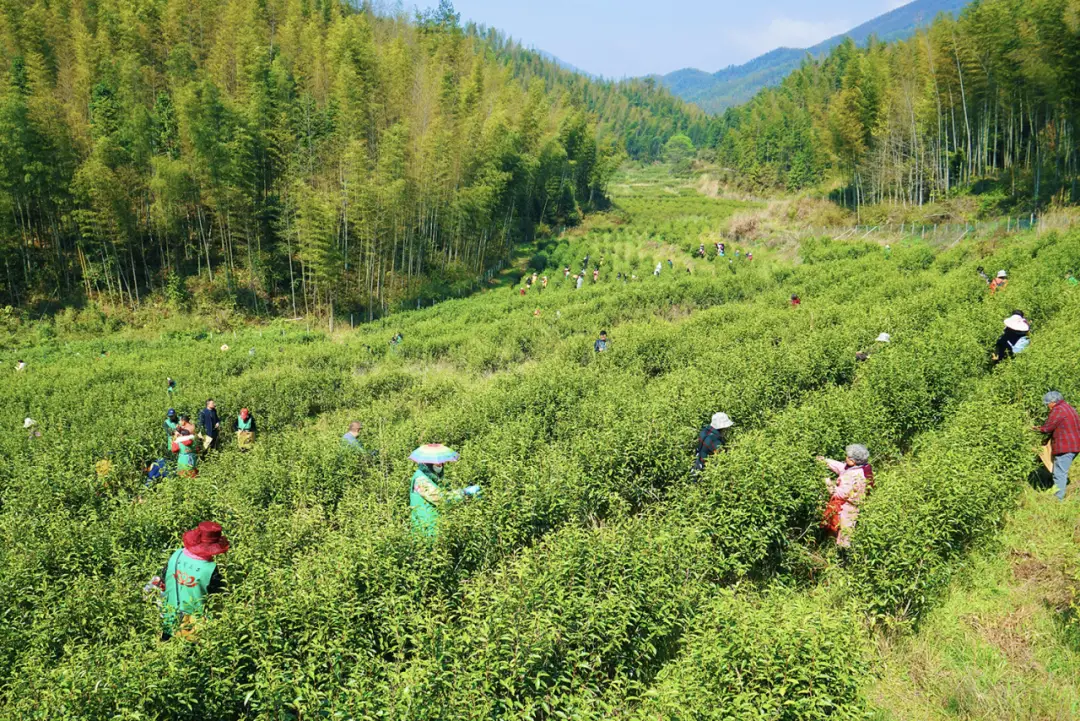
[[208, 419], [710, 441], [1006, 342]]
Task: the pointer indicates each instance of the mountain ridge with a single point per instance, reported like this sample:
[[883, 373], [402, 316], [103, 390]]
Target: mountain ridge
[[736, 84]]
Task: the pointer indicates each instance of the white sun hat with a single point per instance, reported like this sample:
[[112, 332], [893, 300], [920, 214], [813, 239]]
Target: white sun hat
[[29, 423], [1017, 323], [1002, 274], [884, 338], [224, 348], [721, 421]]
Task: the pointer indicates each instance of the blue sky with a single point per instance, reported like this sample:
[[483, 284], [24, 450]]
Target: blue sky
[[618, 38]]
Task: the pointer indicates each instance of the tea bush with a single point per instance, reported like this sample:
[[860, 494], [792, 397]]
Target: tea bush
[[597, 578]]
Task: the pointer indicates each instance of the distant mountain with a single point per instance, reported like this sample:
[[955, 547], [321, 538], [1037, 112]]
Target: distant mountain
[[564, 65], [735, 85]]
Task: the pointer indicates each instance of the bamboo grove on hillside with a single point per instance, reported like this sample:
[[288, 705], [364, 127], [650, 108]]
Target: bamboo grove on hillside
[[289, 153], [991, 96]]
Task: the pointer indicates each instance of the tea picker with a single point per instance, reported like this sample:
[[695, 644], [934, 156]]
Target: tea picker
[[880, 342], [1014, 340], [1063, 424], [427, 497], [171, 425], [190, 576], [185, 422], [999, 282], [711, 439], [854, 479], [244, 426], [183, 445], [156, 471], [30, 426], [351, 439]]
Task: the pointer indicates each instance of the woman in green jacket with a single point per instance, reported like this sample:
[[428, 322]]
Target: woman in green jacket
[[172, 424], [427, 496], [190, 575], [185, 448]]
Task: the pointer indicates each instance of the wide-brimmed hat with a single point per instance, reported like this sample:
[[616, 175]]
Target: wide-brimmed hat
[[720, 421], [206, 540], [434, 453], [884, 338], [29, 423], [1002, 274], [1017, 323]]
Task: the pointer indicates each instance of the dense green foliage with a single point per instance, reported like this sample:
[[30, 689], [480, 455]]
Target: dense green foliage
[[299, 155], [597, 578], [988, 100]]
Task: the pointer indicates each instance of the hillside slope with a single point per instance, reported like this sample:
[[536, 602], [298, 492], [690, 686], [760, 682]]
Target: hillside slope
[[289, 157], [735, 85], [596, 577]]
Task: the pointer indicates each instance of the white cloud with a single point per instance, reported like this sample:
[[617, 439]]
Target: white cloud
[[783, 31]]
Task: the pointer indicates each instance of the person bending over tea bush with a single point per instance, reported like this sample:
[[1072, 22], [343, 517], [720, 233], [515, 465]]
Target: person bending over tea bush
[[244, 426], [1064, 425], [187, 461], [351, 439], [882, 340], [189, 577], [854, 479], [711, 439], [1014, 340], [999, 283], [427, 496]]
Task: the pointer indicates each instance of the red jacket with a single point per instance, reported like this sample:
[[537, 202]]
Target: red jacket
[[1064, 423]]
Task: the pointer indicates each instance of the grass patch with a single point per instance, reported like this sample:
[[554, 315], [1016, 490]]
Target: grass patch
[[1003, 644]]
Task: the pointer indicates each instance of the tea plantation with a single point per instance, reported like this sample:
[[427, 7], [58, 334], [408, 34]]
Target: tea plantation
[[597, 577]]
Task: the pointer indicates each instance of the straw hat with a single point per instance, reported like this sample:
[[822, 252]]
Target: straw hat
[[1017, 323]]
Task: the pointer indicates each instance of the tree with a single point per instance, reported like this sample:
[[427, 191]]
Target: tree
[[679, 151]]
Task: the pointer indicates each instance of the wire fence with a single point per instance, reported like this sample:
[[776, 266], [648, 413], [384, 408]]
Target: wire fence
[[950, 231]]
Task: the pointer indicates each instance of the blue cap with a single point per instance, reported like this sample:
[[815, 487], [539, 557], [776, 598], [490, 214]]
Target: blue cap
[[172, 412]]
